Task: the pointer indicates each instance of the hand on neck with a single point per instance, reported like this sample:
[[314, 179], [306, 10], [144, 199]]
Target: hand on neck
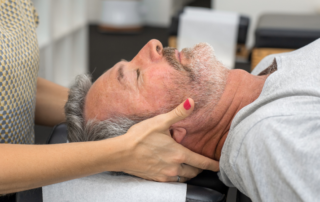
[[241, 89]]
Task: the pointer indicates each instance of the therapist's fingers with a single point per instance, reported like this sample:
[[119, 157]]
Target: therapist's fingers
[[187, 171], [191, 158], [199, 161], [153, 154], [179, 113], [161, 123]]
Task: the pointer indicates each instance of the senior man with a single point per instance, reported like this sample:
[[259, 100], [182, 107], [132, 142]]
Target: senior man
[[264, 129]]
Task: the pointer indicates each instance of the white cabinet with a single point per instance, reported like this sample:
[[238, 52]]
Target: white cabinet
[[63, 39]]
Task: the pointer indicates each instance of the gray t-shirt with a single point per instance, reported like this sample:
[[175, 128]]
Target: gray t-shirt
[[272, 150]]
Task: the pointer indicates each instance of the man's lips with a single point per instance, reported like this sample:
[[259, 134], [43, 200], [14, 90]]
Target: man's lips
[[178, 55]]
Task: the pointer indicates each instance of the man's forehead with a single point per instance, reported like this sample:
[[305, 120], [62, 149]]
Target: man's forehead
[[89, 105], [105, 98], [98, 98]]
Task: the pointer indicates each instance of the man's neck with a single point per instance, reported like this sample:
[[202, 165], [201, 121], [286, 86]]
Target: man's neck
[[241, 89]]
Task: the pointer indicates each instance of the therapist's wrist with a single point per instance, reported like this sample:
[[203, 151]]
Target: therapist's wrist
[[119, 151]]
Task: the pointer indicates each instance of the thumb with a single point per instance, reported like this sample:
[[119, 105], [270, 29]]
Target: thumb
[[179, 113]]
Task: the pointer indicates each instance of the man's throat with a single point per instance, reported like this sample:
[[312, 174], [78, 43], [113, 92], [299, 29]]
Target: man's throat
[[242, 89]]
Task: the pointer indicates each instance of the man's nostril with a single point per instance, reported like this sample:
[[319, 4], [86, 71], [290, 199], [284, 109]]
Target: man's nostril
[[158, 49]]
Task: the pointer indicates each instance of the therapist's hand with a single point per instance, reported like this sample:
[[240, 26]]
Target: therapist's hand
[[155, 155]]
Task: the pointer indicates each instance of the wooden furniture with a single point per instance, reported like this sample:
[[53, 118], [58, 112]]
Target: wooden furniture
[[259, 53], [172, 41], [278, 33]]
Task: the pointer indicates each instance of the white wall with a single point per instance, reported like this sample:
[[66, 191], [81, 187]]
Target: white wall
[[254, 8], [94, 11], [157, 12], [62, 39]]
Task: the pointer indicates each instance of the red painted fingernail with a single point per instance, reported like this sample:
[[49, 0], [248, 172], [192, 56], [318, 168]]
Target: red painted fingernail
[[187, 104]]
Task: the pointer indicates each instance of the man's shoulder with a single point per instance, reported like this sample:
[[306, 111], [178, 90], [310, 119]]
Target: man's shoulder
[[271, 123], [266, 117], [278, 106], [276, 142], [286, 124]]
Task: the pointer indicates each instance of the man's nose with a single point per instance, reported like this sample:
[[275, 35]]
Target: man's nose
[[154, 50], [150, 53]]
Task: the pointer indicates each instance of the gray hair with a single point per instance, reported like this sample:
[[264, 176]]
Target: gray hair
[[78, 129]]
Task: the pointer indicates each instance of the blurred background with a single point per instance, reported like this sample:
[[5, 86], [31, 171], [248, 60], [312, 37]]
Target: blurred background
[[90, 36], [77, 36]]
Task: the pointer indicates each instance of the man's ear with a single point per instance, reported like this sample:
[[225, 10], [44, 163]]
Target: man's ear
[[178, 134]]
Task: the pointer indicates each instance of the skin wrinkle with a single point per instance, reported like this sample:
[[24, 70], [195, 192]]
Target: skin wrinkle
[[120, 73], [216, 137], [225, 131], [226, 128], [243, 101], [213, 137], [210, 138], [207, 133], [138, 74]]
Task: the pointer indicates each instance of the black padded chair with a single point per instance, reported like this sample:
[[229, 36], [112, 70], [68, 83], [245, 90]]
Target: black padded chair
[[206, 187]]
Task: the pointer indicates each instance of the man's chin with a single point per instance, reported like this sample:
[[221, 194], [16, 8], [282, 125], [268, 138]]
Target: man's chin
[[199, 51]]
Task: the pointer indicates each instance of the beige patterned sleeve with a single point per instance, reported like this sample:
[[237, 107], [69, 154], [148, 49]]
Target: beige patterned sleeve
[[35, 14]]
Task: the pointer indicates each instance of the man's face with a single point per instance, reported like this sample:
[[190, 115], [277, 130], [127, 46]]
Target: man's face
[[155, 81]]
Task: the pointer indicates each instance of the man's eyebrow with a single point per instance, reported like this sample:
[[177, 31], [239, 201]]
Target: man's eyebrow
[[120, 73]]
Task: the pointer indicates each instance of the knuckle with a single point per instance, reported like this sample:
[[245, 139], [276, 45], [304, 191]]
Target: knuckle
[[195, 173], [179, 112], [180, 158], [199, 171], [172, 172], [204, 165], [191, 173]]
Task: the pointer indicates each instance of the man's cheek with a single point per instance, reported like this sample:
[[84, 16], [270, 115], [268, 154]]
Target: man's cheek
[[153, 97]]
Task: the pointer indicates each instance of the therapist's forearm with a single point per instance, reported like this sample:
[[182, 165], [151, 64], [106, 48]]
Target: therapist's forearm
[[25, 167], [50, 101]]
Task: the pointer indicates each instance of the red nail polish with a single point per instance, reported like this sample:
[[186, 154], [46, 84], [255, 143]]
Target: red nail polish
[[187, 104]]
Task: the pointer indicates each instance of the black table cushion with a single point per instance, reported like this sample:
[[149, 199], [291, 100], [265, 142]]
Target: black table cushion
[[286, 30]]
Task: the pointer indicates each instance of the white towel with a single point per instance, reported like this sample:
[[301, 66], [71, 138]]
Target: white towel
[[108, 187], [218, 28]]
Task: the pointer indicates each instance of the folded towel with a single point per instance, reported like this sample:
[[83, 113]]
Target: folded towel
[[108, 186]]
